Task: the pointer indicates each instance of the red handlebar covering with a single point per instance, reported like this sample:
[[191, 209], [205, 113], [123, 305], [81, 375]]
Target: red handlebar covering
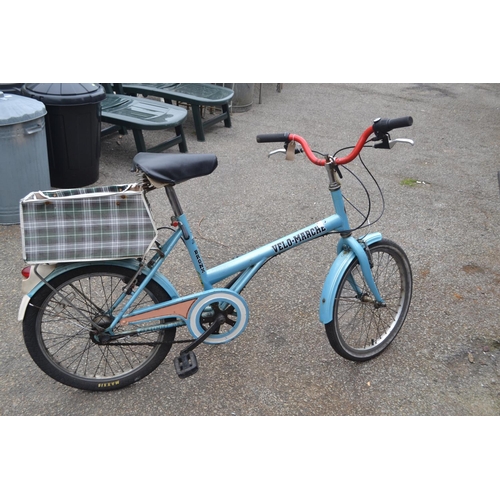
[[339, 161], [357, 149], [307, 150]]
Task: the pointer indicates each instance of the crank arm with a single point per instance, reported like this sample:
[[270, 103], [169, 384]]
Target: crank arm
[[219, 321]]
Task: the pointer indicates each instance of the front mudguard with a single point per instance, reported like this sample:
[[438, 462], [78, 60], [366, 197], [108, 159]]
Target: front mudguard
[[62, 268], [330, 287]]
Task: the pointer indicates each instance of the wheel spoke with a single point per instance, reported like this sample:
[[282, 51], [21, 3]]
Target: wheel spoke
[[61, 330], [361, 328]]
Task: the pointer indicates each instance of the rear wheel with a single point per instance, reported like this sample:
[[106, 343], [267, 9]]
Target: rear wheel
[[361, 328], [63, 330]]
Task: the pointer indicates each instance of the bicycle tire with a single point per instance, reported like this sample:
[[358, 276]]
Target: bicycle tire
[[60, 340], [360, 330]]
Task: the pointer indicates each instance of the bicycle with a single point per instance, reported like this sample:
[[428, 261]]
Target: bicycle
[[106, 325]]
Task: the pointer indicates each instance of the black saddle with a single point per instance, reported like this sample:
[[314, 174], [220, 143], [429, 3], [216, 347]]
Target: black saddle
[[173, 168]]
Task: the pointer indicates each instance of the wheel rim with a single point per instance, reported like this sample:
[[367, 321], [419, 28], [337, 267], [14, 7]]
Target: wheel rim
[[363, 326], [69, 339]]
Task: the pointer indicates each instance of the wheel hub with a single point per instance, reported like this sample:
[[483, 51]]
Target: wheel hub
[[97, 333]]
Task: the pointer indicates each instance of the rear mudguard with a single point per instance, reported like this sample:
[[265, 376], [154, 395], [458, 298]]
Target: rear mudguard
[[62, 268], [345, 256]]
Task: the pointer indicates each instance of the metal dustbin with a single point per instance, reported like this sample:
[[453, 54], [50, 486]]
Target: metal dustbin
[[243, 97], [73, 130], [24, 161]]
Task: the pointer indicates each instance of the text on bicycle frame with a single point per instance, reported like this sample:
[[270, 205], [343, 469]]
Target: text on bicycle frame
[[303, 236]]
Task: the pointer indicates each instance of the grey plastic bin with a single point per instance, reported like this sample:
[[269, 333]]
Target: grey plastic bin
[[23, 153]]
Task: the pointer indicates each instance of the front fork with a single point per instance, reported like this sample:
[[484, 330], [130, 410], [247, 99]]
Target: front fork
[[348, 242], [362, 252]]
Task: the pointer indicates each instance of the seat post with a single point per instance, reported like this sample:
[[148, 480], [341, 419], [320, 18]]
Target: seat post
[[174, 201]]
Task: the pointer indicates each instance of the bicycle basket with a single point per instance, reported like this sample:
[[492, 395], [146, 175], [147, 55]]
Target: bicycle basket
[[86, 224]]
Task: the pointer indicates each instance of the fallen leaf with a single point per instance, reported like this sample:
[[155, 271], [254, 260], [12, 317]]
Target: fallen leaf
[[471, 357]]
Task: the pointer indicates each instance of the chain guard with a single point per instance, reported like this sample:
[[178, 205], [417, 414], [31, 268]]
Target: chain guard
[[233, 307]]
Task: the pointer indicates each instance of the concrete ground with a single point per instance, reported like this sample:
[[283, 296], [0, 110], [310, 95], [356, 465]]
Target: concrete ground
[[442, 206]]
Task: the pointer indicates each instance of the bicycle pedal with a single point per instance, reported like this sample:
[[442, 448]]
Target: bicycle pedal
[[186, 364]]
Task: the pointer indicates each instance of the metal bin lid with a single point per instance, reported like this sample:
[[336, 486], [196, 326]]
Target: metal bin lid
[[18, 109]]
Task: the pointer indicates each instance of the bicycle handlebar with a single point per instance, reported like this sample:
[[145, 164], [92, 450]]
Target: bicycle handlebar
[[384, 125], [380, 126], [273, 137]]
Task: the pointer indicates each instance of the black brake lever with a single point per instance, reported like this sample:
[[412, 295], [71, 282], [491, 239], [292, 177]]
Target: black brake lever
[[384, 144]]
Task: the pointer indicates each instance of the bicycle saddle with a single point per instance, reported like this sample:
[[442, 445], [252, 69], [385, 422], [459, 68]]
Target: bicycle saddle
[[172, 168]]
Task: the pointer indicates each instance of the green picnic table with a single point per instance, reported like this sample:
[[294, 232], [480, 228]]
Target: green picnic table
[[196, 95]]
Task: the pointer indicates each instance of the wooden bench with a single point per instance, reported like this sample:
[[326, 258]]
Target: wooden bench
[[196, 95], [125, 112]]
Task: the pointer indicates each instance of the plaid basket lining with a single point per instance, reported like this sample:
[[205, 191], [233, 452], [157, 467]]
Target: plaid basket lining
[[111, 226]]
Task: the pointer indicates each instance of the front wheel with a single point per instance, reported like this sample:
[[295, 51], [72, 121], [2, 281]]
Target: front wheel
[[60, 330], [361, 328]]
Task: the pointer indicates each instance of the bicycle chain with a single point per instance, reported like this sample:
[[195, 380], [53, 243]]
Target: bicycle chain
[[147, 343]]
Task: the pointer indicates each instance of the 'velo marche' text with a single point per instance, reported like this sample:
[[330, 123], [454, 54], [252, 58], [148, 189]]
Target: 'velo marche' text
[[289, 242]]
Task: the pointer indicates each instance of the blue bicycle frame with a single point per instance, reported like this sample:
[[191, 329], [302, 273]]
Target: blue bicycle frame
[[249, 264], [86, 324]]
